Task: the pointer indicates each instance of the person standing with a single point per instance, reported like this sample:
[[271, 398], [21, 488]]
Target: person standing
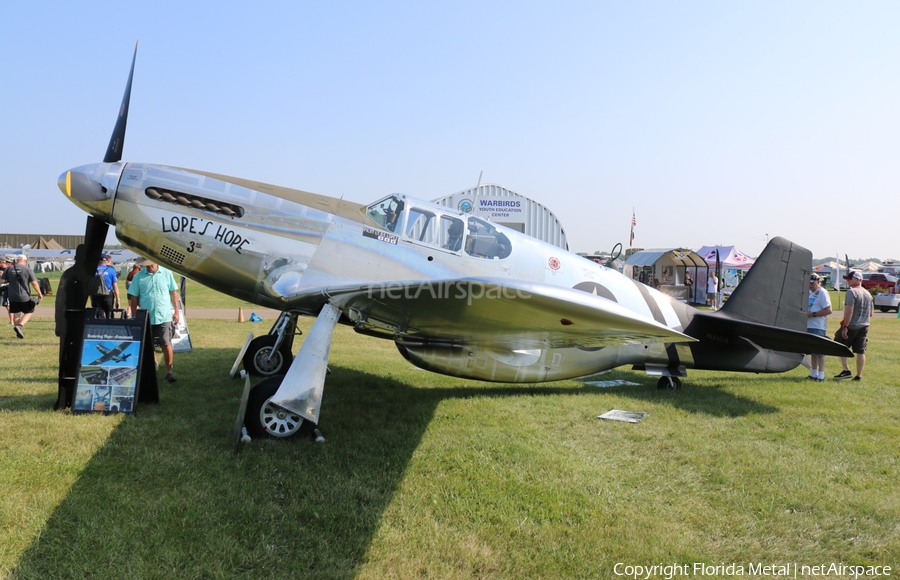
[[854, 330], [134, 270], [18, 278], [4, 264], [107, 296], [75, 286], [817, 311], [153, 289], [712, 290]]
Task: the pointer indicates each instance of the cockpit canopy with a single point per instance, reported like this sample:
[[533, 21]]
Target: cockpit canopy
[[431, 226]]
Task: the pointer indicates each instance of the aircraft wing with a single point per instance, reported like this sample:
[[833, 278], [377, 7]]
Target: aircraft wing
[[496, 312]]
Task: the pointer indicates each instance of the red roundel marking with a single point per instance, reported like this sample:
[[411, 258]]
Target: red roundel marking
[[553, 263]]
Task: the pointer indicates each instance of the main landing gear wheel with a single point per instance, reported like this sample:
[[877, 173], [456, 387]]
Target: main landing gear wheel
[[668, 383], [258, 362], [263, 419]]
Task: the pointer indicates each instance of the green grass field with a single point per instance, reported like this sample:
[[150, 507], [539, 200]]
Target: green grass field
[[434, 477]]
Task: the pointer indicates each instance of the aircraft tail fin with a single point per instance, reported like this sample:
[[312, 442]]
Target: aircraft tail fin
[[775, 290]]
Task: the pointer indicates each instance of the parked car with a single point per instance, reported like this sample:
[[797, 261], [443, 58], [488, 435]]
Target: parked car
[[878, 280], [887, 302]]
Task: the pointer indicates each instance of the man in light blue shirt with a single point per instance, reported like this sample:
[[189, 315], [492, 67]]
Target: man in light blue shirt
[[153, 289]]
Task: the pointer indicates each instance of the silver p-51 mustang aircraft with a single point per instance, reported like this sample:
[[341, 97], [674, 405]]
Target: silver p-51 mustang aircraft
[[458, 295]]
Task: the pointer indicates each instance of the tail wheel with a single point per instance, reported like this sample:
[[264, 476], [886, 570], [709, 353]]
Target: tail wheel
[[262, 360], [263, 419], [668, 383]]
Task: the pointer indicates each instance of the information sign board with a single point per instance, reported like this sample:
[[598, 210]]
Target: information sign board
[[110, 364]]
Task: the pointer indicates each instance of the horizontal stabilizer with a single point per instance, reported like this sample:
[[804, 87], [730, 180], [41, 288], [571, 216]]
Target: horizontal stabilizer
[[770, 337]]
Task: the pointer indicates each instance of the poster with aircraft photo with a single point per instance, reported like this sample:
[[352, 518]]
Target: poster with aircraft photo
[[107, 377]]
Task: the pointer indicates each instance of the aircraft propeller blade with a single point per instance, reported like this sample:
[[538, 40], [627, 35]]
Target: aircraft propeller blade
[[117, 139], [95, 229]]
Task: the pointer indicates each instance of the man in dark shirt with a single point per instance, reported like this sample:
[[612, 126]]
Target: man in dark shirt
[[18, 277]]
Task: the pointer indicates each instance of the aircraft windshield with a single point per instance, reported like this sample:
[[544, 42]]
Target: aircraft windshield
[[387, 213], [430, 227], [485, 241]]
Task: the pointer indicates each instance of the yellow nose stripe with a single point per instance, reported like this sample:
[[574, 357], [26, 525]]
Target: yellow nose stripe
[[68, 183]]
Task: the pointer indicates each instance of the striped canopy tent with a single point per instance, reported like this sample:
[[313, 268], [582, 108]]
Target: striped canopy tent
[[869, 266], [826, 267]]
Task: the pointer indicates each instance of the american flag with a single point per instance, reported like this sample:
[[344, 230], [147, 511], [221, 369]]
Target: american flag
[[633, 223]]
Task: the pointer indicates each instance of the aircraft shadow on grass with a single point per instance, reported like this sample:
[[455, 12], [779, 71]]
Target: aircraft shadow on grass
[[329, 496]]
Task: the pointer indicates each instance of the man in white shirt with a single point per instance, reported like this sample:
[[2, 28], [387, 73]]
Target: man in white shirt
[[712, 290], [819, 307]]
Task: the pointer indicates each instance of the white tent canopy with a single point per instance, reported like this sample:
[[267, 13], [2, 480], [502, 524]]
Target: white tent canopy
[[869, 266], [729, 257]]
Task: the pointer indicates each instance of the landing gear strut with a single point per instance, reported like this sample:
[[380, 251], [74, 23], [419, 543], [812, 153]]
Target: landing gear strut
[[281, 406], [270, 354]]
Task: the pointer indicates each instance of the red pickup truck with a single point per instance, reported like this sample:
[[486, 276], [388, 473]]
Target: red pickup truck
[[878, 280]]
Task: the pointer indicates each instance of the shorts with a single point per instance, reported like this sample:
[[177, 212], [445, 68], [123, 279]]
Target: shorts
[[23, 307], [711, 295], [857, 339], [163, 333], [103, 303], [817, 332]]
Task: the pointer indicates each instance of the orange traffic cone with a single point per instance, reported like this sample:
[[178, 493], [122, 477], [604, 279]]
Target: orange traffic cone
[[240, 314]]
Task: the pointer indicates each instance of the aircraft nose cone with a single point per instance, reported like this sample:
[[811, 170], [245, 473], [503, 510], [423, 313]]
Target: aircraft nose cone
[[79, 186]]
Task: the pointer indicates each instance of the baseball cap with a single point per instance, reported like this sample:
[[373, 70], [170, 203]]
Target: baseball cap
[[104, 256], [21, 257], [856, 275], [814, 278]]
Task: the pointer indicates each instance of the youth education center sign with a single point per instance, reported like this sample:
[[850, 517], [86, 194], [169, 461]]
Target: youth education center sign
[[495, 209], [497, 204]]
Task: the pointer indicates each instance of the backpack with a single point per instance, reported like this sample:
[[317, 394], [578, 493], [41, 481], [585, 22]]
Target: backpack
[[102, 290]]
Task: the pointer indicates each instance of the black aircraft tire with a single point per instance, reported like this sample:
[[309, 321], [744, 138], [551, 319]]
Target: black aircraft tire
[[255, 358], [265, 420], [668, 383]]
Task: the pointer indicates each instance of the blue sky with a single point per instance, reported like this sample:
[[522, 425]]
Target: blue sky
[[718, 122]]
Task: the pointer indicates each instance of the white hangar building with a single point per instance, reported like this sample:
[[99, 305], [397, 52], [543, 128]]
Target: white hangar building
[[501, 206]]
